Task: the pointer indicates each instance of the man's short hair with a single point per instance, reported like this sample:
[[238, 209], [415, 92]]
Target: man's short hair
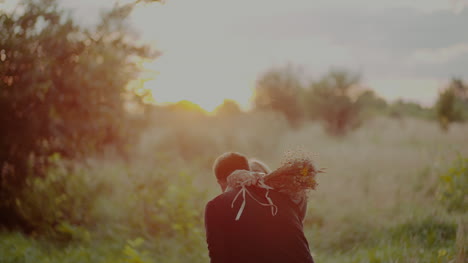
[[227, 163]]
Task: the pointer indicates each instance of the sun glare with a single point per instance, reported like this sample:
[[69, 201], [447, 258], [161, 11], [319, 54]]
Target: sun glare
[[177, 81], [196, 64]]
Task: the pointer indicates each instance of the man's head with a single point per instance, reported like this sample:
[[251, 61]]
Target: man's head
[[227, 163]]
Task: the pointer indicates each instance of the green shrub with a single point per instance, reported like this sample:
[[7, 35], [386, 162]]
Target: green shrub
[[429, 232], [66, 91], [17, 248], [453, 186], [60, 202], [176, 213]]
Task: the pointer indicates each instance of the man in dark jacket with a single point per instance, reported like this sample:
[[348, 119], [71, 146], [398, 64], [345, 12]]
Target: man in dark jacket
[[257, 236]]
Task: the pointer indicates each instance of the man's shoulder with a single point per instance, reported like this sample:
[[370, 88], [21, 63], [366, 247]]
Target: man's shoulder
[[219, 206], [221, 198]]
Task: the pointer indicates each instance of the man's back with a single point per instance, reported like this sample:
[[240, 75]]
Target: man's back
[[257, 236]]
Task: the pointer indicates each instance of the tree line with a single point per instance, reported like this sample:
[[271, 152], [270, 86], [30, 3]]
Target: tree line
[[341, 103]]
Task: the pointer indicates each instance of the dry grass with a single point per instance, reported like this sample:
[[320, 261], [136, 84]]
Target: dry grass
[[385, 165], [375, 203], [381, 175]]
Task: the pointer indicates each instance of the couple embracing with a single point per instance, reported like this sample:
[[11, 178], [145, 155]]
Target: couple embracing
[[250, 221]]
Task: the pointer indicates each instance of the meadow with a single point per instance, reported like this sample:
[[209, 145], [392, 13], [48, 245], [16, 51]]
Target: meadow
[[379, 200]]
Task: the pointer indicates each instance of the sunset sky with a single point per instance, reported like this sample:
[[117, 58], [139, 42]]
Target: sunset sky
[[215, 49]]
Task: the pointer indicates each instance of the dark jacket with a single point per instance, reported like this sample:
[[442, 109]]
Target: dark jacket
[[257, 236]]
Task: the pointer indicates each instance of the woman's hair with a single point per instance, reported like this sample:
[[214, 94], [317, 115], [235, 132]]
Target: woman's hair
[[258, 166], [227, 163]]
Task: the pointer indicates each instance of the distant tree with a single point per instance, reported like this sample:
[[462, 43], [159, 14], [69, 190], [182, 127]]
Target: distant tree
[[279, 90], [61, 90], [451, 104], [401, 108], [330, 100], [461, 98], [228, 108], [445, 108], [186, 106], [460, 88], [371, 103]]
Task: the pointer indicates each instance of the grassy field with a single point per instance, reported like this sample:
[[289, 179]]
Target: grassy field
[[377, 202]]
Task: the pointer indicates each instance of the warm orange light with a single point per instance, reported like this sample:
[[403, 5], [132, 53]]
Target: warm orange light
[[176, 81], [186, 105]]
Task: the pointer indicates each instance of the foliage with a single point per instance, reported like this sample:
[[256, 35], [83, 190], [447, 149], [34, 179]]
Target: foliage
[[401, 108], [228, 108], [133, 255], [16, 248], [166, 207], [69, 201], [453, 186], [187, 107], [365, 210], [60, 203], [452, 104], [426, 240], [124, 202], [461, 95], [61, 100], [371, 103], [278, 90], [429, 231], [445, 108], [330, 100], [61, 90]]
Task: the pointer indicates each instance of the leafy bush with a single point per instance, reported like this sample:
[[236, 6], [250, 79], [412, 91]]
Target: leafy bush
[[127, 200], [445, 109], [60, 202], [452, 104], [453, 186], [61, 90], [166, 207]]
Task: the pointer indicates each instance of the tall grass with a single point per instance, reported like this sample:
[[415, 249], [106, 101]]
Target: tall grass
[[376, 203]]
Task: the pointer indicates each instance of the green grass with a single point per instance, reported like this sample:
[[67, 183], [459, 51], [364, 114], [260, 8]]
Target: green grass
[[376, 203], [421, 240]]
